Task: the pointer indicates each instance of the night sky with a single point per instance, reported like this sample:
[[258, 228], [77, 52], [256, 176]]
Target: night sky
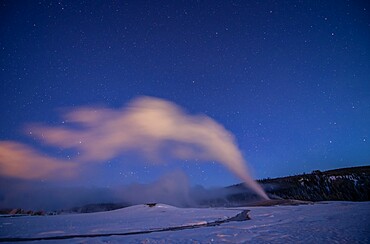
[[289, 79]]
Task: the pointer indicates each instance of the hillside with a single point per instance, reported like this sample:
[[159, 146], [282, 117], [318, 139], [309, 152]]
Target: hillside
[[345, 184]]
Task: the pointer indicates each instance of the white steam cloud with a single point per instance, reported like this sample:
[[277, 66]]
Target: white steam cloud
[[147, 125]]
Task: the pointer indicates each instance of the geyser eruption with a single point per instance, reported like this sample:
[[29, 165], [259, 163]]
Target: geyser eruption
[[148, 124]]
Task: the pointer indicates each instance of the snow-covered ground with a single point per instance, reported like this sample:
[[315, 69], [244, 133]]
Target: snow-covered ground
[[329, 222]]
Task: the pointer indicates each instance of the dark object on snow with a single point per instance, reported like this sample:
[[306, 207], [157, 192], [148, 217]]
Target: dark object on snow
[[242, 216], [150, 205]]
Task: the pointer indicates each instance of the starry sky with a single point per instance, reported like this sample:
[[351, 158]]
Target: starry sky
[[289, 79]]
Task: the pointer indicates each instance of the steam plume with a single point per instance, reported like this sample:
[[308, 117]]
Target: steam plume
[[147, 125]]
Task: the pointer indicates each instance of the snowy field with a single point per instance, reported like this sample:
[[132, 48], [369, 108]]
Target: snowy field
[[328, 222]]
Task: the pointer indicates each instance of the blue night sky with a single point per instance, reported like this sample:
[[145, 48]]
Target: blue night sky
[[289, 79]]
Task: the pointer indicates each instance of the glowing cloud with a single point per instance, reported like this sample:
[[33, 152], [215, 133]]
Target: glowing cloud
[[147, 125], [20, 161]]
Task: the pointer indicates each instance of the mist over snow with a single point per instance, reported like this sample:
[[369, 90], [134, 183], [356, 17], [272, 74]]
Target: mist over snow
[[172, 188]]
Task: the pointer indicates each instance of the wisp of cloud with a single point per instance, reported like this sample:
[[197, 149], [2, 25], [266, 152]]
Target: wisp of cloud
[[21, 161]]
